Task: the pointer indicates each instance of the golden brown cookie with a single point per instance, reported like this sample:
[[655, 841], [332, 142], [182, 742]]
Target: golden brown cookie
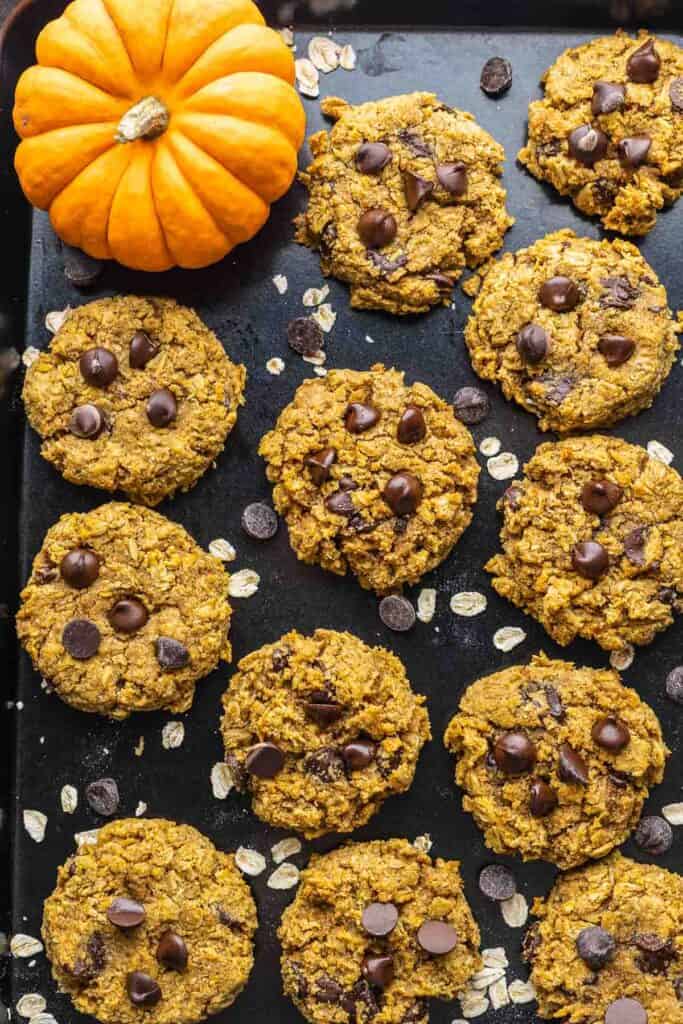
[[124, 611], [322, 729], [150, 921], [608, 945], [575, 330], [404, 193], [609, 131], [371, 475], [135, 395], [592, 542], [377, 929], [555, 761]]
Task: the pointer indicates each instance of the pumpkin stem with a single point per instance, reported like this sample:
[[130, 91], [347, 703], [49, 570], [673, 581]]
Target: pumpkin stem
[[147, 119]]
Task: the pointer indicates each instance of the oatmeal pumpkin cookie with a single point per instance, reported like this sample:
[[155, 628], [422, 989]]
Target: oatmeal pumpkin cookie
[[371, 475], [322, 729], [609, 131], [555, 761], [150, 921], [404, 193], [593, 542], [124, 611], [575, 330], [608, 945], [133, 394], [377, 929]]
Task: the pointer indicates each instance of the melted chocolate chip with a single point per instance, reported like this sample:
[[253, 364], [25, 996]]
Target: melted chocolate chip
[[397, 613], [643, 65], [98, 367], [171, 654], [341, 503], [326, 764], [596, 947], [79, 568], [378, 969], [600, 496], [125, 913], [437, 937], [496, 76], [542, 799], [571, 766], [633, 151], [143, 990], [379, 918], [555, 705], [453, 177], [416, 190], [619, 293], [634, 545], [471, 405], [359, 417], [81, 639], [128, 615], [305, 336], [607, 97], [656, 952], [559, 294], [403, 493], [532, 343], [611, 734], [323, 712], [259, 521], [514, 753], [415, 143], [587, 144], [590, 559], [172, 951], [162, 408], [497, 882], [359, 754], [264, 760], [616, 348], [142, 350], [320, 463], [87, 422], [411, 426], [654, 835], [377, 228], [327, 989], [372, 157]]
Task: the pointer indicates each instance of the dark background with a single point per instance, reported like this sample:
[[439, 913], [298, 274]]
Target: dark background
[[46, 743]]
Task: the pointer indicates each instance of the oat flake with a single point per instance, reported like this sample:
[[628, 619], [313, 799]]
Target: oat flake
[[347, 58], [315, 296], [275, 366], [69, 799], [31, 1004], [486, 976], [281, 283], [468, 603], [521, 991], [324, 53], [623, 659], [139, 747], [88, 838], [223, 549], [320, 371], [307, 78], [658, 451], [35, 823], [284, 877], [285, 848], [515, 911], [317, 359], [325, 317], [426, 604], [673, 813], [287, 36], [43, 1018], [473, 1004], [507, 637], [495, 957], [244, 583], [56, 319], [172, 735], [140, 809], [503, 466], [221, 780], [250, 862], [490, 446], [25, 945], [423, 843], [29, 356], [498, 994]]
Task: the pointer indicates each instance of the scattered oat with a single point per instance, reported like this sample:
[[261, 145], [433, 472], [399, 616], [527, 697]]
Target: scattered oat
[[473, 1004], [521, 991], [347, 58], [673, 813], [623, 659], [275, 366], [515, 911], [320, 371], [324, 53], [507, 637], [25, 945], [370, 341], [307, 78], [284, 877], [656, 450], [490, 446], [285, 848], [281, 283], [325, 317], [56, 319], [140, 809], [426, 604], [31, 1004], [223, 549], [495, 957], [35, 823], [485, 977], [29, 356], [315, 296], [250, 862], [139, 747], [317, 359], [221, 780], [244, 583], [43, 1018], [88, 838], [69, 799], [503, 466], [287, 36], [423, 843], [498, 994], [172, 735], [468, 603]]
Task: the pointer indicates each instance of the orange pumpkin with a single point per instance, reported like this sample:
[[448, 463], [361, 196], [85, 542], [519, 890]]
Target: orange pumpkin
[[158, 132]]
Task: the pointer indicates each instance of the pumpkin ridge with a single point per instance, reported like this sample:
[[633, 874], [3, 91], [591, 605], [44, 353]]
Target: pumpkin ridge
[[81, 28], [74, 183]]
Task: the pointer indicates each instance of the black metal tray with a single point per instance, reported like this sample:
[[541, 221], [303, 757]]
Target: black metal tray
[[47, 744]]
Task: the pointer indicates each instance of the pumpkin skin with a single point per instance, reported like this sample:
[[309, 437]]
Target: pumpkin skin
[[158, 132]]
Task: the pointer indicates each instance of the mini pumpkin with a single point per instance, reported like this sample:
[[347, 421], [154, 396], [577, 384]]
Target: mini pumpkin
[[158, 132]]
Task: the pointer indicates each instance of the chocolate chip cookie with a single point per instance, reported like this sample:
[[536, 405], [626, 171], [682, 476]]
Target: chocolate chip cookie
[[376, 930], [371, 475], [593, 542], [575, 330], [124, 612], [609, 132], [135, 395], [608, 945], [555, 761], [404, 193], [150, 921], [320, 730]]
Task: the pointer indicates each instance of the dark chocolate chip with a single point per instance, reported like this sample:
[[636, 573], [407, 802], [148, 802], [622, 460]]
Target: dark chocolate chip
[[497, 882], [372, 157], [142, 350], [587, 144], [676, 94], [347, 483], [611, 734], [619, 293], [162, 408], [626, 1011], [555, 705], [397, 613], [264, 760], [126, 913], [378, 969], [633, 152], [128, 615], [514, 753], [559, 294], [656, 952], [86, 970], [81, 270], [103, 797], [377, 228], [674, 684], [453, 177], [411, 426], [557, 388], [643, 67], [542, 799], [607, 97], [170, 653], [359, 754], [87, 421], [359, 417], [616, 348], [143, 990], [320, 464], [403, 493], [571, 766], [511, 496], [532, 343], [654, 835], [259, 521], [98, 367], [437, 937], [341, 503], [415, 143], [531, 943], [386, 265], [323, 713], [471, 405], [379, 918], [596, 947], [634, 545], [79, 568], [327, 989], [172, 951], [81, 639], [496, 76], [326, 764], [416, 190], [590, 559], [46, 573], [600, 496], [305, 336]]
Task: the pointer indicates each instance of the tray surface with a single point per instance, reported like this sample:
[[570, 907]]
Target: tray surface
[[56, 745]]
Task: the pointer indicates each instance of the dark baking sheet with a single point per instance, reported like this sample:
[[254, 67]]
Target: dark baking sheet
[[51, 744]]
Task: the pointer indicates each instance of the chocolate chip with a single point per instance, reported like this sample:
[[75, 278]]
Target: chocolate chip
[[496, 76], [347, 483], [643, 67], [657, 953], [305, 336], [142, 989], [559, 294], [81, 639], [514, 753], [142, 350], [611, 734], [542, 800], [359, 754], [170, 653], [531, 943], [557, 388], [590, 559], [511, 496], [128, 615], [386, 265], [654, 835], [98, 367], [126, 913], [596, 947], [397, 613], [471, 405], [416, 190], [328, 990], [320, 464], [79, 568], [377, 228], [674, 684], [172, 951], [359, 417], [46, 573], [81, 270], [379, 918], [532, 343], [259, 521], [571, 766], [437, 937], [607, 97], [415, 143], [676, 94], [87, 421], [619, 293], [600, 496], [634, 545], [341, 503], [587, 144], [85, 971], [364, 994], [323, 713], [633, 152], [453, 177], [103, 797], [497, 882], [411, 426], [555, 705], [162, 408], [378, 969], [326, 764], [403, 493], [626, 1011], [616, 348], [372, 157], [264, 760], [300, 980]]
